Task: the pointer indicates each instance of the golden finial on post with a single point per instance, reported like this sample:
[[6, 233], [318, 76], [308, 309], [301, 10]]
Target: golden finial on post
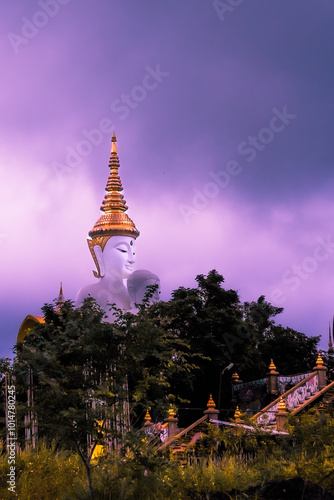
[[319, 361], [147, 418], [237, 413], [281, 405], [211, 403], [171, 412], [272, 365]]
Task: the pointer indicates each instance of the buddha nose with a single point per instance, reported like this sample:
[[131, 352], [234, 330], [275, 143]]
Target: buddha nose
[[131, 257]]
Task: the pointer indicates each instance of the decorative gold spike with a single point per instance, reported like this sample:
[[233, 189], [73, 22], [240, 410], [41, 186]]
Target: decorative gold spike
[[211, 403], [60, 300], [147, 415], [171, 412], [281, 405], [272, 366], [113, 143], [114, 221], [319, 361], [235, 377], [147, 418], [237, 413]]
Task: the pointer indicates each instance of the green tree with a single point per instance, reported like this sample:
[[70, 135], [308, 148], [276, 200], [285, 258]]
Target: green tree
[[293, 352], [71, 358], [220, 330], [85, 370]]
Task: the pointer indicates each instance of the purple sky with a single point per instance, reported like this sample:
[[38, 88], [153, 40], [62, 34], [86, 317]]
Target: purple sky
[[224, 121]]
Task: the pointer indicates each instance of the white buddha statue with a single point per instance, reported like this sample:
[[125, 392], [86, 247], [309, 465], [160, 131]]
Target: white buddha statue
[[112, 245]]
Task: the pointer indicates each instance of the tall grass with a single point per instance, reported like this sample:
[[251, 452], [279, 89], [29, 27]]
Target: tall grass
[[48, 473], [45, 473]]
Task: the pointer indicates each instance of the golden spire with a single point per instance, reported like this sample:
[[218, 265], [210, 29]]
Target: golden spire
[[147, 418], [237, 413], [114, 221], [281, 405], [235, 377], [211, 403], [61, 299], [319, 361], [272, 366], [171, 412]]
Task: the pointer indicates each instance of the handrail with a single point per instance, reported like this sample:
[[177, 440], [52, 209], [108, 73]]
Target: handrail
[[284, 396], [313, 398], [182, 433]]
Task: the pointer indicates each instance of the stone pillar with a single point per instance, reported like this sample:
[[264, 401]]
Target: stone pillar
[[281, 416], [172, 422], [321, 370], [211, 412], [272, 377]]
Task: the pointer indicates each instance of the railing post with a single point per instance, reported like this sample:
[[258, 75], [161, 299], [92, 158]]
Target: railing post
[[211, 412], [321, 370], [238, 420], [172, 422], [281, 416], [272, 377]]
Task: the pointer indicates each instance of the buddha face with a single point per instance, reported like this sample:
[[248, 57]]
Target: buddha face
[[119, 257]]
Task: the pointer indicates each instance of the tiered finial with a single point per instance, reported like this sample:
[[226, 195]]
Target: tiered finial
[[319, 361], [237, 413], [235, 377], [211, 403], [61, 299], [171, 412], [272, 365], [281, 405], [147, 419], [114, 221]]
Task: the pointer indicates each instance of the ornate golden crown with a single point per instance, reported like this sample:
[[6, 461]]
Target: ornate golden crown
[[114, 221]]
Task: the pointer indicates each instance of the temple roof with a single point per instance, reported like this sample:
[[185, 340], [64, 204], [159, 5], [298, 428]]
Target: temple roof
[[28, 324]]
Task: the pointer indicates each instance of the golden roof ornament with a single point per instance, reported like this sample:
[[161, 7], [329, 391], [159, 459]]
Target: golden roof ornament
[[147, 415], [235, 377], [171, 412], [272, 366], [114, 221], [147, 418], [281, 405], [211, 403], [319, 361], [237, 413], [61, 299]]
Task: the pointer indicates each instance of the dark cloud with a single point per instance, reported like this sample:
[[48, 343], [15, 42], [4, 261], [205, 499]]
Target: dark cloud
[[218, 84]]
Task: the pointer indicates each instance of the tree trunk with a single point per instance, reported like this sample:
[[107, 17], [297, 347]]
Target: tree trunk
[[87, 467], [89, 477]]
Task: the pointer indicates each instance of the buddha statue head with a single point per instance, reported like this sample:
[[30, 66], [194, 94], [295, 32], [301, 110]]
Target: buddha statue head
[[112, 239], [117, 258]]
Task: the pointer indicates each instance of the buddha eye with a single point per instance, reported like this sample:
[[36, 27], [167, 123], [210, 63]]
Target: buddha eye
[[121, 250]]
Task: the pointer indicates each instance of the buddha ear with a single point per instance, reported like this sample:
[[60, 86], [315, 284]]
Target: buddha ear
[[99, 257]]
